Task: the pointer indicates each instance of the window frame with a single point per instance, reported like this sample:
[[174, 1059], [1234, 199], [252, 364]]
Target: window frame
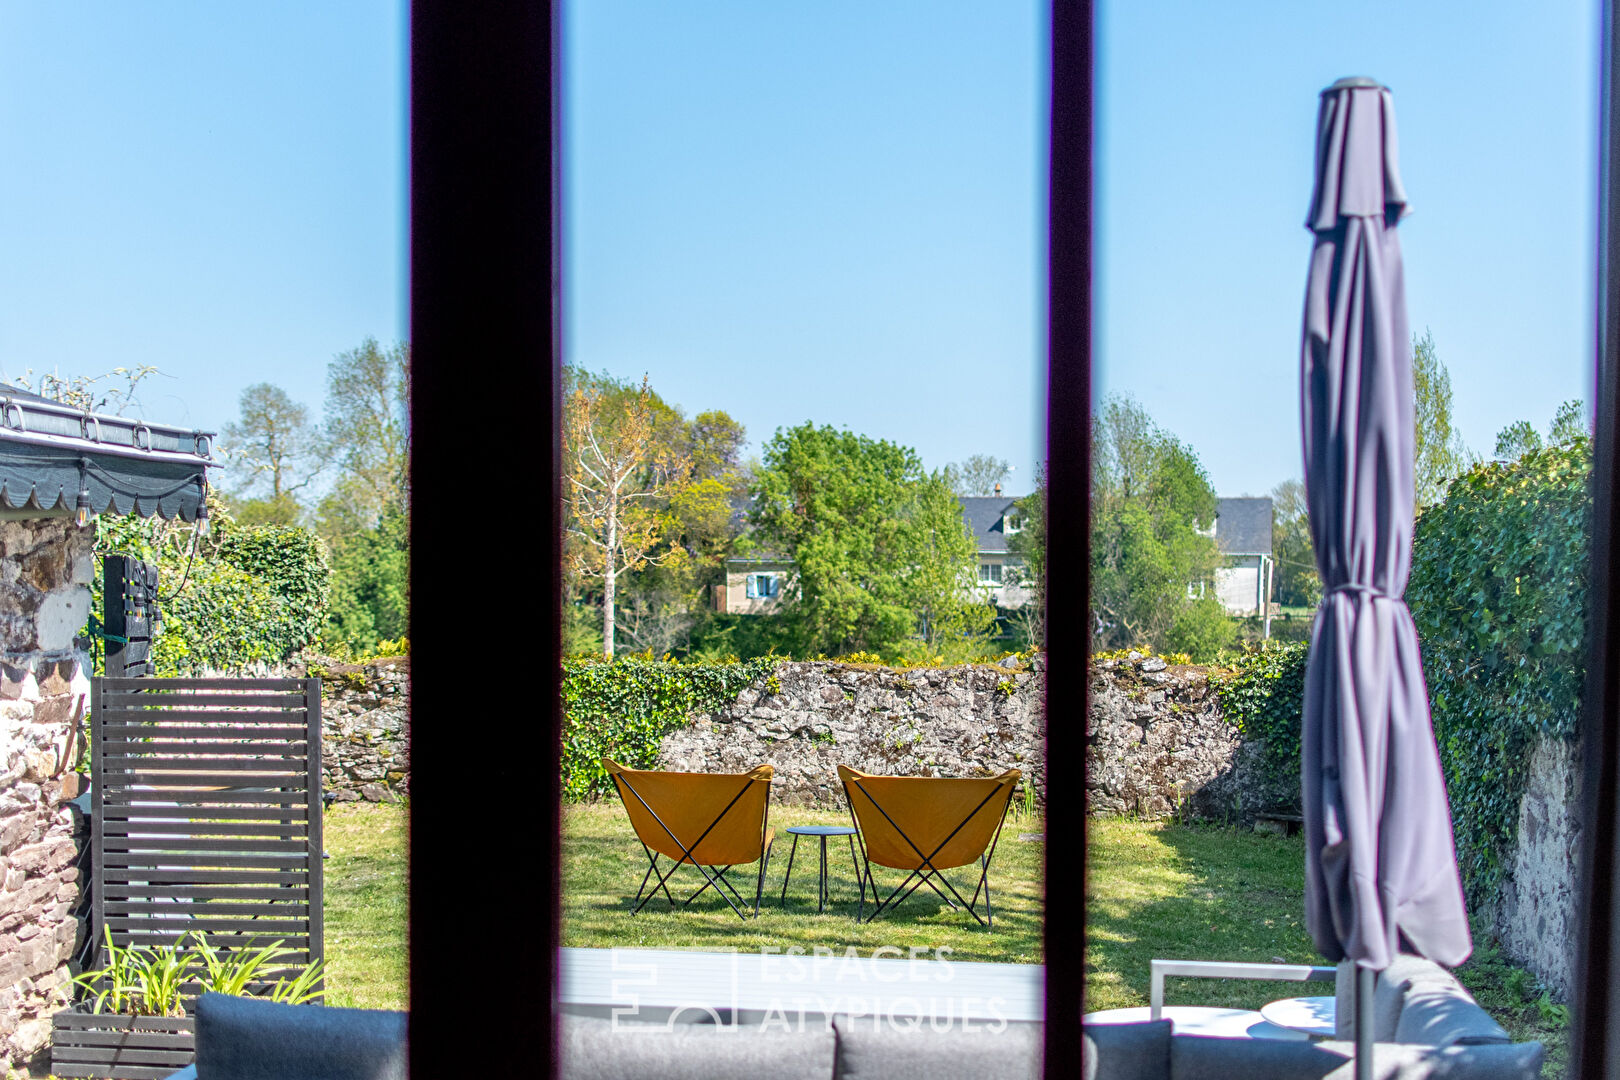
[[485, 282]]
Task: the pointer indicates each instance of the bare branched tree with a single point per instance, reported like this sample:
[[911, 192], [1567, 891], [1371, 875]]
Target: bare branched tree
[[620, 482]]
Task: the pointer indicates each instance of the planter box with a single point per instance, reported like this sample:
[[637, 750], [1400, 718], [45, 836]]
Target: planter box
[[120, 1047]]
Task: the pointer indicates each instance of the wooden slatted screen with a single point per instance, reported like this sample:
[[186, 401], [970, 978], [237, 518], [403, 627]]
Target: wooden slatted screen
[[206, 812]]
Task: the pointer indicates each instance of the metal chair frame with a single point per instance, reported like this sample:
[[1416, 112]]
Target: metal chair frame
[[716, 879], [927, 873]]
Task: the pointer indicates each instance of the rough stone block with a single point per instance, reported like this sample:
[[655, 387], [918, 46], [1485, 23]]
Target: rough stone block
[[60, 616]]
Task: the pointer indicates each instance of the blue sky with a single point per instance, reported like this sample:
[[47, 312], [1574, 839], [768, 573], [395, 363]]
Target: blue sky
[[1207, 123], [215, 189], [828, 212]]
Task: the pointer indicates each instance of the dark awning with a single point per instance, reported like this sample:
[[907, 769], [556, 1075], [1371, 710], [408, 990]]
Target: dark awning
[[50, 452]]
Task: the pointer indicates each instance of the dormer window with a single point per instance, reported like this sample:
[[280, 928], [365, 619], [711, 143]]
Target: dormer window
[[1011, 523]]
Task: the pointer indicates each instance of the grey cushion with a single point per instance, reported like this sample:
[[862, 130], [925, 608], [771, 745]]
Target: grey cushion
[[250, 1039], [869, 1050], [597, 1049], [1395, 983], [1130, 1051], [1442, 1014], [1402, 1061], [1199, 1057]]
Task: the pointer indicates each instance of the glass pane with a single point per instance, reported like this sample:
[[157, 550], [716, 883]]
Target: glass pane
[[1204, 186], [775, 219], [203, 214]]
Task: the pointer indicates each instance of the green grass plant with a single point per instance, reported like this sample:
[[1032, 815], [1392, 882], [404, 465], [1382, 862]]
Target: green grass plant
[[1205, 892], [1155, 889], [366, 885], [603, 864]]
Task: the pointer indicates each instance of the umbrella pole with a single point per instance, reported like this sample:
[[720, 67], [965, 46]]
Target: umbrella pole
[[1364, 1013]]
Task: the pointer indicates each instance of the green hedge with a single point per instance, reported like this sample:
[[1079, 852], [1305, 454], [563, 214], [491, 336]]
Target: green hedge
[[1498, 592], [623, 709], [1264, 695], [243, 596]]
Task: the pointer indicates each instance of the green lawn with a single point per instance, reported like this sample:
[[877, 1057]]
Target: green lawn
[[603, 864], [365, 905], [1211, 893], [1156, 890]]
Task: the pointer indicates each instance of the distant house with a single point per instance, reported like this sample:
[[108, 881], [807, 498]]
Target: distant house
[[759, 586], [1243, 534], [755, 586], [992, 519]]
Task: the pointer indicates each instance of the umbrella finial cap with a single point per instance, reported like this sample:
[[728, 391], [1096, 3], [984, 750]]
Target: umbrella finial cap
[[1355, 82]]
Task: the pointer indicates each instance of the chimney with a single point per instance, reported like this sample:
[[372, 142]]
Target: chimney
[[998, 489]]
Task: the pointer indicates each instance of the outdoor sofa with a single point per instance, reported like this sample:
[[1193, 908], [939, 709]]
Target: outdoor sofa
[[1427, 1026], [240, 1038]]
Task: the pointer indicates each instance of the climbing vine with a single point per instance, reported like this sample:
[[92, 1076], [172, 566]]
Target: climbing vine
[[1264, 694], [623, 709], [1498, 593]]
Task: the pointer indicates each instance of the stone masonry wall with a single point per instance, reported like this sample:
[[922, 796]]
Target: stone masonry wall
[[365, 726], [1157, 744], [45, 571], [973, 720], [1156, 738], [1535, 916]]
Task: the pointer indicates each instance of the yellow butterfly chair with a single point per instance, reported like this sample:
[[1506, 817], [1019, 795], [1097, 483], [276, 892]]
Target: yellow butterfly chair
[[705, 820], [925, 824]]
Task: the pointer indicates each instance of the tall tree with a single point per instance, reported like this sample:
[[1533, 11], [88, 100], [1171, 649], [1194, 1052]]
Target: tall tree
[[1153, 555], [620, 481], [1440, 455], [978, 475], [940, 575], [364, 518], [274, 452], [1516, 440], [367, 425], [1520, 437], [1568, 424], [1298, 583], [836, 503]]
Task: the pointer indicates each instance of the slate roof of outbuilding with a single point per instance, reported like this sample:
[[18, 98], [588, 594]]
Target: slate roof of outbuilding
[[984, 515], [1243, 526]]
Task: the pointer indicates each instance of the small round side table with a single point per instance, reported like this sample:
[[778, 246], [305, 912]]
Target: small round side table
[[822, 831]]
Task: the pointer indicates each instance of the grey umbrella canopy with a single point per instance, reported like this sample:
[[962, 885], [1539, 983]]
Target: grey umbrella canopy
[[1380, 868]]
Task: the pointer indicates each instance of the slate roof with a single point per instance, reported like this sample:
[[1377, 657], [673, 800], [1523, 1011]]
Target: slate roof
[[1243, 526], [984, 515]]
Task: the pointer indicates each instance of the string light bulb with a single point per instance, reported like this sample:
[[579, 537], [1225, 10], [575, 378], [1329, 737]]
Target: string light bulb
[[81, 508], [202, 509]]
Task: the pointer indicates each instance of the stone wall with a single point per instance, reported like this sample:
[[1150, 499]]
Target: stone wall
[[1157, 744], [1535, 915], [45, 570], [973, 720], [365, 726]]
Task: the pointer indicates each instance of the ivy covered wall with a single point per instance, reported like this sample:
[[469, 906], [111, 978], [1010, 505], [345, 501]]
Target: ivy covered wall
[[1498, 592]]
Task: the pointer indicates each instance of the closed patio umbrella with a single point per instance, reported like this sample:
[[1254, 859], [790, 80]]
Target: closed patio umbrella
[[1380, 868]]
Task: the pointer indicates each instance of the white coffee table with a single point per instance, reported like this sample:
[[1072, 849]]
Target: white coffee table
[[1310, 1015], [1202, 1020]]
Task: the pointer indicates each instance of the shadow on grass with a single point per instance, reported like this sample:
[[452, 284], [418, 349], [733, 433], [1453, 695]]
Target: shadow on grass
[[1192, 892], [603, 863], [1177, 892]]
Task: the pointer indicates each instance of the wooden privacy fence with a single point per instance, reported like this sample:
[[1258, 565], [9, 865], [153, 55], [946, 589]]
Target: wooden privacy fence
[[206, 812]]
